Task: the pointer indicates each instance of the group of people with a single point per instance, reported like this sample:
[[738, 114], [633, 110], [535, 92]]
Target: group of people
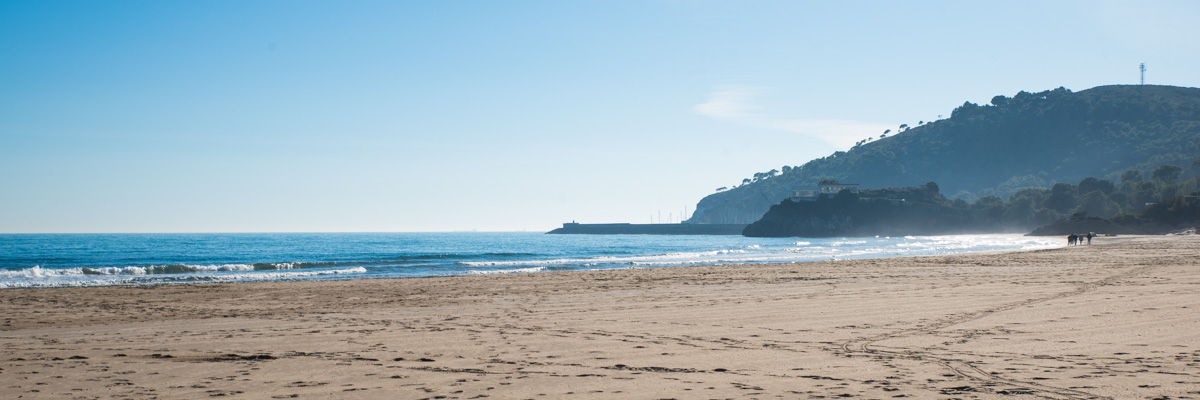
[[1076, 239]]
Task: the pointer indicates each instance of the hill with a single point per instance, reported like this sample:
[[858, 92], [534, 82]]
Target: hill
[[1160, 203], [1028, 140], [917, 210]]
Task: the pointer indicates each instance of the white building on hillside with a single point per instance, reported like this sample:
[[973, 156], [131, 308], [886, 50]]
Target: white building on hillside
[[835, 188], [823, 188]]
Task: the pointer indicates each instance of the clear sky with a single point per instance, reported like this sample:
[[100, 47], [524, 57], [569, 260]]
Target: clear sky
[[215, 116]]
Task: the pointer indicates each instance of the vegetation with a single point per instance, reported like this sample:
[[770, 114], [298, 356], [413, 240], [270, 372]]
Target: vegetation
[[1162, 203], [1030, 140]]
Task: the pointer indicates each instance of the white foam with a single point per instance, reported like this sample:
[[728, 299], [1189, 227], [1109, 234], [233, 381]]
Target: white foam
[[506, 271], [847, 242], [143, 279], [674, 257], [805, 251], [36, 272]]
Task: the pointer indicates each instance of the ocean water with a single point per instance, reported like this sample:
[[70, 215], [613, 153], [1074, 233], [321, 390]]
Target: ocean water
[[52, 260]]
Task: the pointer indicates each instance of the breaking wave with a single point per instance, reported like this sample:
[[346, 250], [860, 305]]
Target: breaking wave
[[141, 279], [39, 272], [673, 257], [506, 271]]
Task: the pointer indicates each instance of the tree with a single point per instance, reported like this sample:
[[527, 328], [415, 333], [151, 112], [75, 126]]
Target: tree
[[992, 207], [1033, 194], [1062, 197], [1143, 193], [989, 201], [1097, 204], [903, 127], [887, 131], [746, 181], [1021, 210], [964, 111], [1132, 175], [1089, 184], [787, 168], [1166, 174], [772, 173]]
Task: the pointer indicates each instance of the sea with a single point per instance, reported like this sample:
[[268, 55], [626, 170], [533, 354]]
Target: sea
[[65, 260]]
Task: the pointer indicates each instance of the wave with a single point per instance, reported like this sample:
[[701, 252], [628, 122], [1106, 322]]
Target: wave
[[847, 242], [605, 259], [506, 271], [40, 272], [95, 280]]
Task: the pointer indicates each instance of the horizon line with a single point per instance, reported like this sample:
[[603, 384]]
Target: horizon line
[[256, 232]]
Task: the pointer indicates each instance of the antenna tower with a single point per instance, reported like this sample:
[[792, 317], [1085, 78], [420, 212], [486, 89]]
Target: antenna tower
[[1142, 67]]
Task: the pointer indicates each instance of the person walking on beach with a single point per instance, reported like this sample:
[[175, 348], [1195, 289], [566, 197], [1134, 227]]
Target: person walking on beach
[[1071, 239], [1090, 236]]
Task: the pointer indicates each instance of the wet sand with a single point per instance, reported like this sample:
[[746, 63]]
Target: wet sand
[[1118, 320]]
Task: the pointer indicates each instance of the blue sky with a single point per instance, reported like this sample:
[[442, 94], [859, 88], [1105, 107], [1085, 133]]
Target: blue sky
[[215, 116]]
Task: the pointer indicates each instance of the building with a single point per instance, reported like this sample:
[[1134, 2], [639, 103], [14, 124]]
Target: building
[[823, 188], [835, 188], [805, 195]]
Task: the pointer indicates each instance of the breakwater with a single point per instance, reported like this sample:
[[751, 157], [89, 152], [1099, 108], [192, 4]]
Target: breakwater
[[649, 229]]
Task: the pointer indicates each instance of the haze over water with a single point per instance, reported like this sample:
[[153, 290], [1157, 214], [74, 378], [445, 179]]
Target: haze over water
[[51, 260]]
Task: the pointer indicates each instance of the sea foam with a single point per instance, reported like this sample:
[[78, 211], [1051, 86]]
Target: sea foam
[[505, 271], [41, 277]]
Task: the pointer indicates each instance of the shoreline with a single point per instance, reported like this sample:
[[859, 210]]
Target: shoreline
[[249, 272], [1058, 323]]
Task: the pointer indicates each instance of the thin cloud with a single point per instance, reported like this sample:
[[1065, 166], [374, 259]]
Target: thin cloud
[[728, 103], [736, 104]]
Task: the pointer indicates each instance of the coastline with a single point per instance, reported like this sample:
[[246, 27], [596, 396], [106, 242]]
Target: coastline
[[174, 259], [1059, 323]]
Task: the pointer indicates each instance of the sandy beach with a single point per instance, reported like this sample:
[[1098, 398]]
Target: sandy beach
[[1120, 320]]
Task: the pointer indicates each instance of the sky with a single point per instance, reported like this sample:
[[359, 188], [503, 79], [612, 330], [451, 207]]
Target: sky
[[408, 116]]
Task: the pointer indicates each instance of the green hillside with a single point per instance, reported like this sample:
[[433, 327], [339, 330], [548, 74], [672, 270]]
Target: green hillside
[[1028, 140], [1160, 203]]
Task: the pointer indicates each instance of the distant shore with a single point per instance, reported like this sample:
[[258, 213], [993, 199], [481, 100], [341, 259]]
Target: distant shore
[[1117, 319]]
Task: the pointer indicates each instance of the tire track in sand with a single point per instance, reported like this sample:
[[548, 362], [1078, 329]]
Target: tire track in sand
[[967, 369]]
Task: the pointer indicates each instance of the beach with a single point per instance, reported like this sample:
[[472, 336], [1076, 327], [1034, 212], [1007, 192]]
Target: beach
[[1119, 319]]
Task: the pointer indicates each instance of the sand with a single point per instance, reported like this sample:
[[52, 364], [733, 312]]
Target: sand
[[1118, 320]]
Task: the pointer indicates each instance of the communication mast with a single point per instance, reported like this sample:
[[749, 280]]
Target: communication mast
[[1142, 67]]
